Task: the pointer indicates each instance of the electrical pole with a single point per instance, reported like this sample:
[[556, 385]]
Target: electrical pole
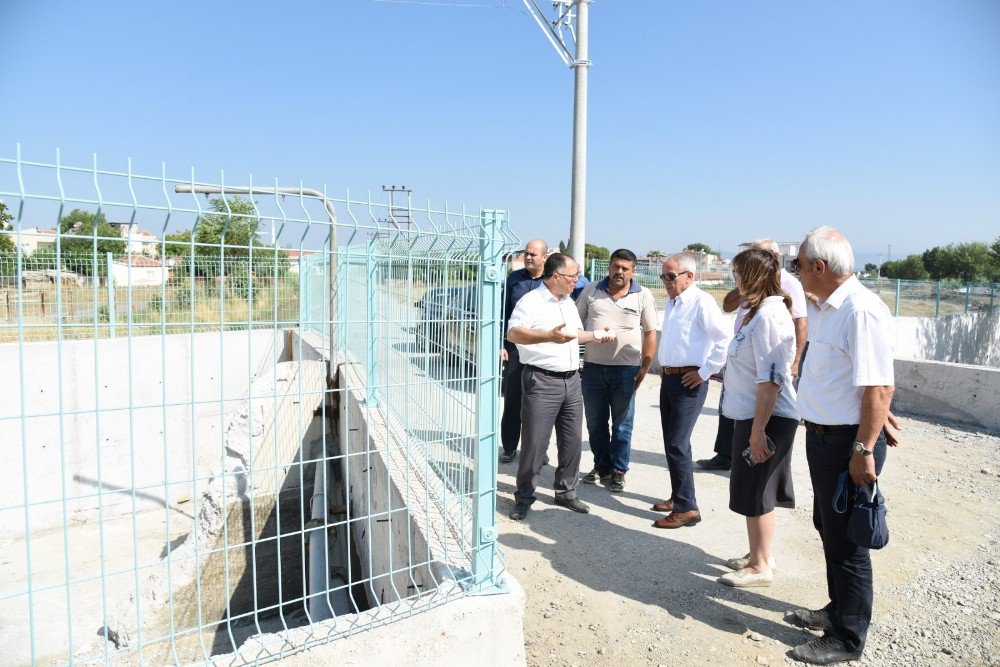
[[573, 17]]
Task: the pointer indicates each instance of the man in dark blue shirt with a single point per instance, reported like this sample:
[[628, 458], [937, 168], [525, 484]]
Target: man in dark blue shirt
[[518, 284]]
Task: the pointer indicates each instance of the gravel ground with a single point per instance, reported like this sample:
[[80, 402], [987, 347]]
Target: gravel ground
[[608, 588]]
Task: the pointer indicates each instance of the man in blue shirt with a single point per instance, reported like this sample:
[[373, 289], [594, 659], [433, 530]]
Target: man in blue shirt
[[518, 284]]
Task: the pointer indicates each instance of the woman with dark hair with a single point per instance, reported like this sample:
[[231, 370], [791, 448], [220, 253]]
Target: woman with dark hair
[[760, 398]]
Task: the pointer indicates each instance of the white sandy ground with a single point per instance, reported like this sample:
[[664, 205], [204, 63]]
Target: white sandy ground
[[608, 588]]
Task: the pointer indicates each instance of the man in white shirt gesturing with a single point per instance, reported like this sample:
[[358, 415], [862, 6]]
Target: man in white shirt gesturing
[[692, 347], [547, 330]]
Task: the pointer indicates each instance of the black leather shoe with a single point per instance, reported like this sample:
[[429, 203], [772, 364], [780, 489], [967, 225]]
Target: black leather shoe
[[507, 457], [717, 462], [574, 504], [520, 511], [825, 650], [812, 619]]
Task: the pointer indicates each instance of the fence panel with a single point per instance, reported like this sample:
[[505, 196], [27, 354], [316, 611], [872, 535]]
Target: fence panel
[[253, 429]]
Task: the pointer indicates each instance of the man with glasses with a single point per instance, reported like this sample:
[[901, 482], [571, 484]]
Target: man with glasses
[[612, 373], [843, 397], [518, 284], [693, 343], [546, 328], [734, 302]]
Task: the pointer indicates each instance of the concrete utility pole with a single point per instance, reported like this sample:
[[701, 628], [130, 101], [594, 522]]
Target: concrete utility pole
[[572, 17]]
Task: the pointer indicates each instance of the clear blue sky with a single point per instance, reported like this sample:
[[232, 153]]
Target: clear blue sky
[[710, 121]]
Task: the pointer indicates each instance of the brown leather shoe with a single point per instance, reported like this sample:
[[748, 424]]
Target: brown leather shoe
[[678, 519], [665, 506]]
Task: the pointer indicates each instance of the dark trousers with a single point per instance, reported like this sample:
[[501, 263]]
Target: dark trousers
[[848, 566], [679, 410], [609, 393], [510, 422], [546, 403], [724, 436]]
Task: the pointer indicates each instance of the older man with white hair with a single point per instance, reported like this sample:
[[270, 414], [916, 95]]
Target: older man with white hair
[[692, 347], [734, 301], [844, 394]]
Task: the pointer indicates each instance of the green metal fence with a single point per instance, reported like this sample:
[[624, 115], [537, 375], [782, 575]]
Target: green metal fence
[[906, 298], [249, 438]]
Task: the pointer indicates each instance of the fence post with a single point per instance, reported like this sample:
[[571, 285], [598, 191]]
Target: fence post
[[897, 297], [111, 296], [968, 292], [371, 312], [993, 290], [484, 530], [937, 300], [592, 274]]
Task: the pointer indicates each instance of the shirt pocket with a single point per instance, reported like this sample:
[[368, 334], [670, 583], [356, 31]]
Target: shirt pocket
[[819, 359]]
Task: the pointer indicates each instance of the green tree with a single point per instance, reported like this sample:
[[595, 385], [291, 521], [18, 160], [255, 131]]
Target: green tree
[[699, 247], [178, 244], [78, 230], [6, 242], [871, 268], [939, 262], [654, 253], [911, 268], [591, 251], [995, 259], [971, 261]]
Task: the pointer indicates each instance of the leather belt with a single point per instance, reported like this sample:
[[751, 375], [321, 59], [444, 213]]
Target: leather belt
[[677, 370], [552, 374], [823, 429]]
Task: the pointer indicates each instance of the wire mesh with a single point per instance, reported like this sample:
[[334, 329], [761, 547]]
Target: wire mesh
[[253, 430]]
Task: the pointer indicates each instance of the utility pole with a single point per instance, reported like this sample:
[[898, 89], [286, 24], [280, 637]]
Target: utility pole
[[572, 18]]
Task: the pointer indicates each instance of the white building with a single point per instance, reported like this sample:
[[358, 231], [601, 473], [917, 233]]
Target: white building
[[787, 251], [139, 241], [34, 238], [138, 270]]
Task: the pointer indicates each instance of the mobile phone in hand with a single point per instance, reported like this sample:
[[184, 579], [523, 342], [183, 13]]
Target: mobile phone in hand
[[748, 457]]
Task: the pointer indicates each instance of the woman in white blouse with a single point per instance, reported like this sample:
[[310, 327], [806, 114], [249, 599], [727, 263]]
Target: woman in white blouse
[[760, 397]]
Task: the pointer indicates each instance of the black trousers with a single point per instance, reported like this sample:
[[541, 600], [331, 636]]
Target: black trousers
[[510, 422], [724, 436], [848, 566]]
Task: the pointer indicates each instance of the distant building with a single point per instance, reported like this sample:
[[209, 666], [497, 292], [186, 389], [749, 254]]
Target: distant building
[[295, 257], [33, 239], [140, 242], [139, 270], [787, 251]]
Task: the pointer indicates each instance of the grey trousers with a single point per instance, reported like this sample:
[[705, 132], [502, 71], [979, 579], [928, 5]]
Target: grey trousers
[[548, 402]]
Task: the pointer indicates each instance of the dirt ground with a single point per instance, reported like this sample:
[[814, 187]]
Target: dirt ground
[[608, 588]]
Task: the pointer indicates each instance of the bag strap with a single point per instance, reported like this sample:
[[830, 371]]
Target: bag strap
[[840, 500]]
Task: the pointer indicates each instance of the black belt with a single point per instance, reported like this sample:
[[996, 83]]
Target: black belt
[[552, 374], [823, 429]]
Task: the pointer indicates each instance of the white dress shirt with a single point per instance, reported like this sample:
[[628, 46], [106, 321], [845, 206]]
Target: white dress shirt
[[540, 310], [694, 333], [761, 351], [791, 286], [850, 348]]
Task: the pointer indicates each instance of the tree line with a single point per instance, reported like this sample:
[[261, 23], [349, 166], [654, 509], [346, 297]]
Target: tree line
[[222, 241], [969, 262]]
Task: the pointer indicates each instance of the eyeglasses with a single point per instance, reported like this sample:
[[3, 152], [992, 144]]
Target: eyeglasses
[[570, 276], [671, 277]]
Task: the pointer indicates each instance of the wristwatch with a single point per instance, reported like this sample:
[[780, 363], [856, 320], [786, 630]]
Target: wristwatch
[[859, 448]]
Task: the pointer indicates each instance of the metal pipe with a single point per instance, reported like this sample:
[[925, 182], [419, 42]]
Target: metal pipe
[[578, 201]]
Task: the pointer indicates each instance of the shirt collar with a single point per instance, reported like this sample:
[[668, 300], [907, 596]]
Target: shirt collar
[[549, 295], [632, 287], [849, 287], [689, 293]]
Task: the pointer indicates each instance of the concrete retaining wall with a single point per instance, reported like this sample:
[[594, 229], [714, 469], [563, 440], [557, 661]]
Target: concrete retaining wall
[[948, 392], [184, 390], [972, 339]]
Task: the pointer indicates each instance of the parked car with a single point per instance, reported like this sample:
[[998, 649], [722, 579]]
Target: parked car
[[436, 308]]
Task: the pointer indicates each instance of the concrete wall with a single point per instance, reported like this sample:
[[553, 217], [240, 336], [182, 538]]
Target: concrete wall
[[961, 339], [486, 631], [948, 392], [184, 390]]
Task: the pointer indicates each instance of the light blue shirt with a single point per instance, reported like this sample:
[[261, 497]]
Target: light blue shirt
[[761, 351]]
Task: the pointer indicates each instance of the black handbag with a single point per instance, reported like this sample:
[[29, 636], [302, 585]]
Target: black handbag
[[866, 524]]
